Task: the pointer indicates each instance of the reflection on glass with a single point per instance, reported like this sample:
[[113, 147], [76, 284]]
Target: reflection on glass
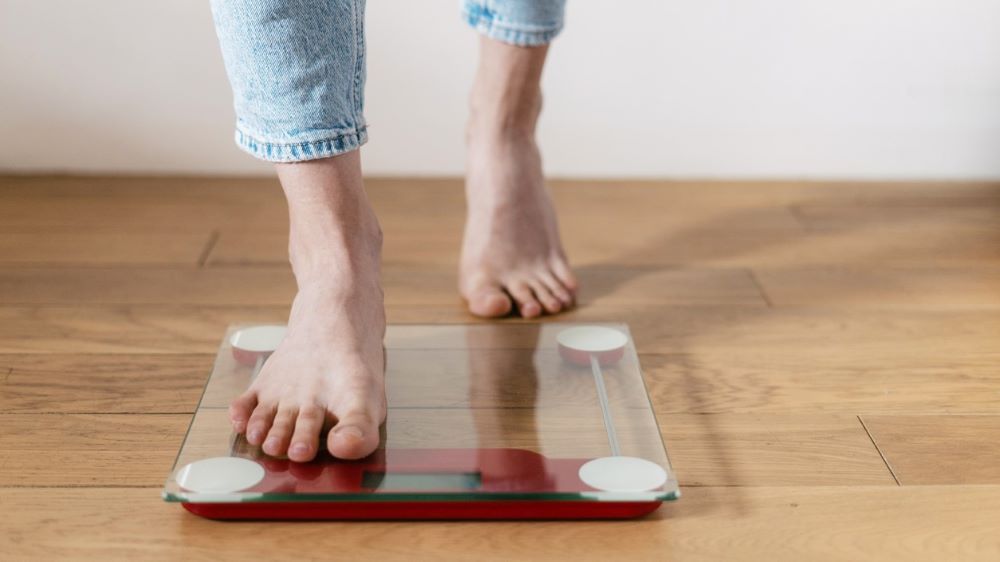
[[475, 410]]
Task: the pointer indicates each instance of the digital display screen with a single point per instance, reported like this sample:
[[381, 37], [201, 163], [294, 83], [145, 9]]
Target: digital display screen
[[422, 481]]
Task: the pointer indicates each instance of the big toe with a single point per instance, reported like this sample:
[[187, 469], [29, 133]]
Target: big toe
[[489, 302], [355, 436], [240, 410]]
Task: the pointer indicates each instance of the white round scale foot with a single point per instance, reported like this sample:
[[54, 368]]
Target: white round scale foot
[[579, 343], [249, 344], [260, 339], [623, 474], [220, 475]]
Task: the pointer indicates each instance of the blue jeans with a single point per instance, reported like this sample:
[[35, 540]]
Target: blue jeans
[[297, 67]]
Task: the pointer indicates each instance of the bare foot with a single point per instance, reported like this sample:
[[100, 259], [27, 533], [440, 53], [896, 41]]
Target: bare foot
[[511, 247], [329, 370]]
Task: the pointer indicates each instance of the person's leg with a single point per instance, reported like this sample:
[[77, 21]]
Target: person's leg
[[511, 247], [297, 71]]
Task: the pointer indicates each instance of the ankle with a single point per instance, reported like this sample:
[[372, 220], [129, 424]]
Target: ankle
[[513, 117], [333, 229], [333, 248]]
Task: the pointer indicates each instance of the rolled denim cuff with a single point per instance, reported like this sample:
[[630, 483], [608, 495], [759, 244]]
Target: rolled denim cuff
[[272, 151], [521, 33]]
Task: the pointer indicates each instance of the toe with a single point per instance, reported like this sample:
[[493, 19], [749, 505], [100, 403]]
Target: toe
[[276, 443], [305, 440], [240, 410], [545, 296], [527, 304], [556, 288], [260, 423], [489, 302], [355, 436], [565, 275]]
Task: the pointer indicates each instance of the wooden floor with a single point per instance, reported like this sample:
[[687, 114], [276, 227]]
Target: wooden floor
[[824, 360]]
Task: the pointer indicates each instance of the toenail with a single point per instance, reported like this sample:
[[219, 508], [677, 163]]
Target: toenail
[[350, 432]]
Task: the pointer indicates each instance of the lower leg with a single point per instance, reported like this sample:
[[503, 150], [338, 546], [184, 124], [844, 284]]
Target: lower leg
[[328, 372], [511, 255]]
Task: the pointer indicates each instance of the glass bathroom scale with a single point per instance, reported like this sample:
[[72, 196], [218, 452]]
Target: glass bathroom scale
[[485, 421]]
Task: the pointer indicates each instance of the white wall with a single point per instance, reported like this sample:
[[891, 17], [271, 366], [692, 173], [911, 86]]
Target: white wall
[[679, 88]]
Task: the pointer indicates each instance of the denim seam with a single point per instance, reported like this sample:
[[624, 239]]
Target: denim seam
[[286, 151], [358, 61], [513, 26], [511, 32]]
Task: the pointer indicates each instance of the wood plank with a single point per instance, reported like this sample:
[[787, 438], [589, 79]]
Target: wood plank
[[256, 203], [171, 203], [80, 212], [784, 523], [696, 359], [89, 449], [150, 285], [732, 382], [877, 336], [983, 212], [821, 334], [97, 248], [771, 450], [811, 380], [882, 287], [930, 449], [140, 187], [668, 243], [128, 204], [403, 285], [124, 329], [711, 449], [102, 383], [743, 194]]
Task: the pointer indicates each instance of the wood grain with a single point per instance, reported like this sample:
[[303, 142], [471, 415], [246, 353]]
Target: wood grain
[[939, 449], [809, 334], [911, 288], [706, 450], [727, 243], [709, 237], [811, 380], [88, 449], [772, 318], [772, 450], [130, 204], [984, 212], [101, 248], [102, 383], [274, 286], [864, 523], [694, 383]]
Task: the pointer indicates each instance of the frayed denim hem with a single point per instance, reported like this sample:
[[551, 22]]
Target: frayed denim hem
[[522, 35], [301, 151]]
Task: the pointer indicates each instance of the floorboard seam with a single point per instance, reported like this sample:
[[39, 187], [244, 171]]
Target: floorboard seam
[[799, 219], [880, 453], [760, 288], [213, 239]]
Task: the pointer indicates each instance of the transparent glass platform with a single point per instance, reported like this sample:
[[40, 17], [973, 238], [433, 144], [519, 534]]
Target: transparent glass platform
[[477, 413]]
